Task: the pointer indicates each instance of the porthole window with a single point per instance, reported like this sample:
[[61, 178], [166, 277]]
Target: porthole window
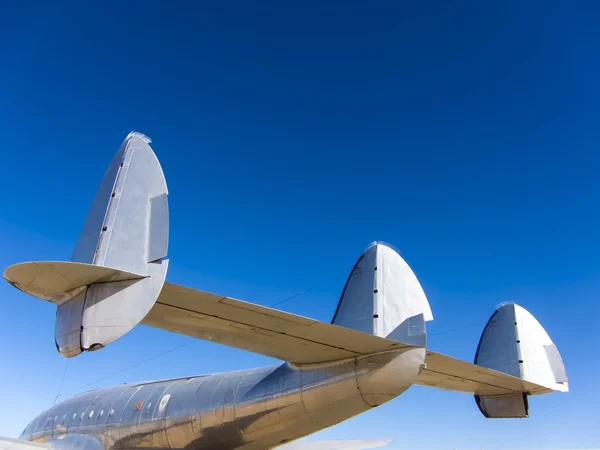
[[74, 415], [111, 412], [55, 419], [91, 414], [100, 414], [163, 403], [148, 407], [81, 416]]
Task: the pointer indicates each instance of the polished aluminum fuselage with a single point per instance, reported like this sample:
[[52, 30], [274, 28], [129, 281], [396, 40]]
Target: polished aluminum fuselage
[[250, 409]]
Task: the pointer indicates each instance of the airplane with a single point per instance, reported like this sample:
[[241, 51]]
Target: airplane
[[374, 349]]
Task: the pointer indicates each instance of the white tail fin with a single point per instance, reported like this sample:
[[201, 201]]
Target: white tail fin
[[515, 343], [127, 225], [382, 296], [515, 359], [118, 266]]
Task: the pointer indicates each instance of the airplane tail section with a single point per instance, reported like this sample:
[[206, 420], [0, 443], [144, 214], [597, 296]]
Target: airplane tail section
[[513, 343], [116, 280], [118, 266], [383, 297], [516, 357]]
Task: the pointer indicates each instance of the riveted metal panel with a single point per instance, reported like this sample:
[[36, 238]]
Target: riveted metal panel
[[182, 418], [381, 293], [509, 406], [87, 421], [67, 328], [109, 396], [115, 413], [497, 349], [251, 396], [112, 309], [130, 419], [355, 307], [210, 416], [253, 386], [85, 249]]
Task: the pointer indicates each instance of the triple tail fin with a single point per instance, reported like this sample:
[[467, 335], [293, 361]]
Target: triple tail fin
[[116, 279], [118, 266], [383, 297], [515, 343], [515, 359]]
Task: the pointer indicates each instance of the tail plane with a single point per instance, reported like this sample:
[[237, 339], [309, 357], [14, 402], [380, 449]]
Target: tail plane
[[116, 280], [119, 263]]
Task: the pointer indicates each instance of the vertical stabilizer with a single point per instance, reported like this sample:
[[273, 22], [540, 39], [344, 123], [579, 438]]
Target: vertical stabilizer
[[127, 228], [514, 342], [118, 266], [127, 225], [382, 296]]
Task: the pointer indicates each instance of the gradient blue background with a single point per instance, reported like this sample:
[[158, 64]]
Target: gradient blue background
[[464, 134]]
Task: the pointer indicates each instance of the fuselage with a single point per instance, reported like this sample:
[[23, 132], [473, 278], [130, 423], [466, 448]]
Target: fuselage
[[250, 409]]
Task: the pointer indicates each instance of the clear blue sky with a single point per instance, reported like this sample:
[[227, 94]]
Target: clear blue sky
[[464, 134]]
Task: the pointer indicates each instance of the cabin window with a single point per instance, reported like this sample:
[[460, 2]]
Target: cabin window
[[100, 414], [81, 416], [163, 403], [91, 414], [74, 415], [111, 412]]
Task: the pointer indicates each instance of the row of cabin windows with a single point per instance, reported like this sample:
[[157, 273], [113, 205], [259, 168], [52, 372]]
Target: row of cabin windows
[[50, 421]]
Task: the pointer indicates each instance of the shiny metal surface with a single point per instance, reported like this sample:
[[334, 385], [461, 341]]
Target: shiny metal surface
[[118, 266], [381, 293], [259, 329], [133, 236], [514, 342], [374, 350], [250, 409]]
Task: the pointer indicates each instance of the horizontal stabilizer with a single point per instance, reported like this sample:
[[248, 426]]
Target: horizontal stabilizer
[[445, 372], [259, 329], [56, 281], [335, 444]]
